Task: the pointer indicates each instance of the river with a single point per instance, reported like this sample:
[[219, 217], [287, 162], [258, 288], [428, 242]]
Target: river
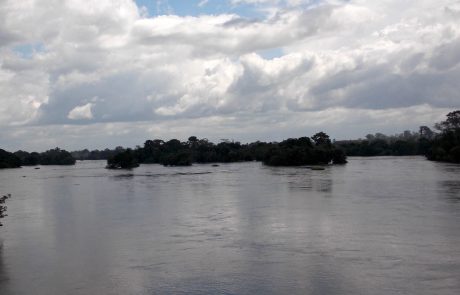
[[385, 225]]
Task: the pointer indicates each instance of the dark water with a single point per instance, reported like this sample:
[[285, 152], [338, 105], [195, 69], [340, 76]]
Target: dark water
[[374, 226]]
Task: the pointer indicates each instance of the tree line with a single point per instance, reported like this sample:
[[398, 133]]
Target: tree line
[[440, 144], [291, 152], [21, 158], [405, 144], [96, 154]]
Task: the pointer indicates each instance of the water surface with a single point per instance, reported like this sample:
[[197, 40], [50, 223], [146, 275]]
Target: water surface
[[374, 226]]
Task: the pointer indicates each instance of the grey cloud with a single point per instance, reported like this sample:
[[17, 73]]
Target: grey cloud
[[446, 56], [117, 98], [239, 22], [378, 86], [257, 90], [7, 38]]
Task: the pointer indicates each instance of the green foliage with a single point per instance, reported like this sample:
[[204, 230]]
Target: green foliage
[[178, 158], [28, 159], [404, 144], [452, 123], [445, 146], [339, 156], [95, 154], [291, 152], [9, 160], [301, 151], [123, 160], [51, 157], [56, 157], [3, 207], [321, 139]]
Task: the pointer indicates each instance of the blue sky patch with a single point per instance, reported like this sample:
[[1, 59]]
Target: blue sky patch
[[197, 7], [28, 50], [271, 53]]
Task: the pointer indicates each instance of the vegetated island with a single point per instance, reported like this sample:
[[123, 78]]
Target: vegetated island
[[291, 152]]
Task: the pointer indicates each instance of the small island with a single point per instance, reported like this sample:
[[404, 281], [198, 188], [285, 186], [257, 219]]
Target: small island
[[123, 160], [317, 150]]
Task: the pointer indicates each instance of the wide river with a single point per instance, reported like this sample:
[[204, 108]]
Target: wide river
[[374, 226]]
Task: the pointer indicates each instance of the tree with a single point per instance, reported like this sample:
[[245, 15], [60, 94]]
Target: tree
[[56, 157], [301, 151], [3, 207], [321, 138], [123, 160], [173, 145], [452, 122], [425, 132], [446, 145]]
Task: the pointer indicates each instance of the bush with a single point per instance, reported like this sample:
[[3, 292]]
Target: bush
[[123, 160]]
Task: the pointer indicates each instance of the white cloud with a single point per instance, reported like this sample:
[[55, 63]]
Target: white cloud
[[371, 56], [202, 3], [81, 112]]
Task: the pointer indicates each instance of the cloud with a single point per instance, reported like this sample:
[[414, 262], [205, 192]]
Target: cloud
[[81, 112], [371, 56], [339, 123], [203, 3]]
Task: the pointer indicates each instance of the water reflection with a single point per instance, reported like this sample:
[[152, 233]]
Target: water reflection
[[379, 226], [304, 178]]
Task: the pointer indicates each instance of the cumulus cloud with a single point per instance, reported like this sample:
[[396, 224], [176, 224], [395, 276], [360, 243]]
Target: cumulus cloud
[[371, 56], [81, 113]]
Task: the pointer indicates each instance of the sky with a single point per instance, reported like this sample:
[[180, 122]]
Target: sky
[[102, 73]]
